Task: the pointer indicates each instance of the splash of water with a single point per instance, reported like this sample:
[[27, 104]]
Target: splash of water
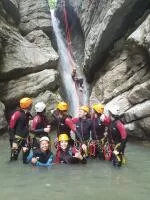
[[75, 98]]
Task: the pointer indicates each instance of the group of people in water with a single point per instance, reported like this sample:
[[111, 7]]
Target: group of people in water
[[95, 134]]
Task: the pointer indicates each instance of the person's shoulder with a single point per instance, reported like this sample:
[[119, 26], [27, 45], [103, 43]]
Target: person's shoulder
[[16, 113], [36, 117]]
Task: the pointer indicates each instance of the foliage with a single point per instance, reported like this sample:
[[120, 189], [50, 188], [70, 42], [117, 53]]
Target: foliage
[[52, 4]]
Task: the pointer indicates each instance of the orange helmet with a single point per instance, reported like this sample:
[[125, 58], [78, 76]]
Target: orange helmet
[[63, 106], [85, 108], [99, 108], [25, 102]]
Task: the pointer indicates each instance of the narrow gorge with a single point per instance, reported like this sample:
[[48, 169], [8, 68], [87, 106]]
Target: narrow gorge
[[110, 42]]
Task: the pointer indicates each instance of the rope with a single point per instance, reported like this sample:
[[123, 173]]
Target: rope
[[68, 38]]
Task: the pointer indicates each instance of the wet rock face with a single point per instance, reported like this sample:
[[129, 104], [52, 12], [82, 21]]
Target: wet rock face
[[11, 7], [124, 71], [116, 56], [40, 39], [124, 81], [34, 15], [31, 84], [141, 36], [103, 22], [21, 57], [103, 44], [3, 122], [70, 19], [28, 64]]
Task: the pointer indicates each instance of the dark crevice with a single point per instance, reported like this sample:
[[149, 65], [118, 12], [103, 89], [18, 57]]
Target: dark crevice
[[12, 10]]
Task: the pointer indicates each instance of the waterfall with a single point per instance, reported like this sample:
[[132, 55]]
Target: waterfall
[[74, 96]]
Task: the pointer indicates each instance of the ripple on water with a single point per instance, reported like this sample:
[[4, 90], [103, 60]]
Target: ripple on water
[[96, 180]]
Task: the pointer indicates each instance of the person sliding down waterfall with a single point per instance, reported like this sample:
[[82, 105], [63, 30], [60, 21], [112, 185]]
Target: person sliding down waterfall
[[77, 80]]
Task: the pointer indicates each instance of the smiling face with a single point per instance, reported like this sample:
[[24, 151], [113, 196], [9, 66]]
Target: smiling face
[[82, 113], [63, 145], [44, 145]]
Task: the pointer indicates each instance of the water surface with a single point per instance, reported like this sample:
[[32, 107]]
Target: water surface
[[96, 180]]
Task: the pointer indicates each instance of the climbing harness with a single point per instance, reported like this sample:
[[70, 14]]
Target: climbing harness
[[107, 150], [78, 145]]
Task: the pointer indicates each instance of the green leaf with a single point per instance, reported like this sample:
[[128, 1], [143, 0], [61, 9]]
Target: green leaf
[[52, 4]]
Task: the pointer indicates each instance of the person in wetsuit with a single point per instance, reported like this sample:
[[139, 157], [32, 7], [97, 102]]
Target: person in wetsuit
[[83, 128], [19, 127], [77, 79], [117, 131], [40, 125], [99, 123], [40, 157], [83, 123], [68, 154], [64, 121]]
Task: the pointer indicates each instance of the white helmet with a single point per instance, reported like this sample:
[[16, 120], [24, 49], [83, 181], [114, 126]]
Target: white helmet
[[40, 106], [44, 138], [114, 110]]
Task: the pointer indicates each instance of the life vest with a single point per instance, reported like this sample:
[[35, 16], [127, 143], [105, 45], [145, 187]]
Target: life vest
[[65, 156], [98, 129], [62, 127], [42, 156], [83, 126], [21, 127], [92, 147], [39, 122]]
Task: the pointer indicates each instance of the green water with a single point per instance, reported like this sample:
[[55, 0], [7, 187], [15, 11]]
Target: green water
[[96, 180]]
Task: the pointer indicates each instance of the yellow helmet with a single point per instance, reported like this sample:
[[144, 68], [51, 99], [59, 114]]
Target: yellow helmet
[[99, 108], [63, 106], [25, 103], [85, 108], [63, 137]]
